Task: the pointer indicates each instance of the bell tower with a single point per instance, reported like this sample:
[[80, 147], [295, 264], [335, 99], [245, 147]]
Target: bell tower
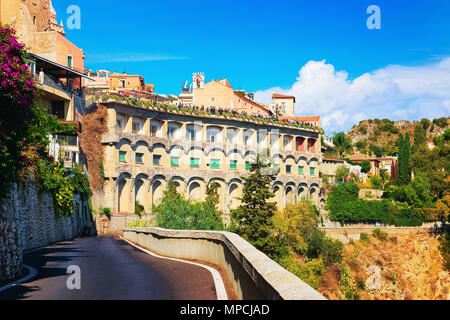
[[198, 80]]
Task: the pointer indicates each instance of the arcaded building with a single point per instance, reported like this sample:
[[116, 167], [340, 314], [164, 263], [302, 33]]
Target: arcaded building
[[144, 147]]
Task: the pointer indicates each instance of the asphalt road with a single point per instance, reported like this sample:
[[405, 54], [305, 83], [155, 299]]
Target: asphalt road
[[111, 269]]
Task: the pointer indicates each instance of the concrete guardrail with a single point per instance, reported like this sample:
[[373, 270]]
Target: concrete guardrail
[[252, 274]]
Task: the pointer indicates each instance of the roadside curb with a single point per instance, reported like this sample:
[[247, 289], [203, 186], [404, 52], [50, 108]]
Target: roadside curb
[[218, 281], [32, 273]]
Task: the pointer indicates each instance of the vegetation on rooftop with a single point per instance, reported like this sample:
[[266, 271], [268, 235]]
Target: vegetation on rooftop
[[192, 111]]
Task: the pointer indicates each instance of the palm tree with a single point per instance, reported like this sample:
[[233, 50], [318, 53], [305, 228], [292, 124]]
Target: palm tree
[[342, 143]]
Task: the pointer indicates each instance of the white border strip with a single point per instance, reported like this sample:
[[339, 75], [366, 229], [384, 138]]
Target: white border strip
[[32, 273], [218, 282]]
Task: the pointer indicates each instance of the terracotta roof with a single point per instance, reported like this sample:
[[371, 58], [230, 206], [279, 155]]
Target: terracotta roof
[[277, 95], [304, 118]]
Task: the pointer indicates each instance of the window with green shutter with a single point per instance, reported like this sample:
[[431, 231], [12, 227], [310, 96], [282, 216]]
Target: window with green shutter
[[123, 156], [139, 157], [215, 163], [300, 170], [156, 160], [247, 165], [195, 162], [233, 164], [311, 171], [175, 161]]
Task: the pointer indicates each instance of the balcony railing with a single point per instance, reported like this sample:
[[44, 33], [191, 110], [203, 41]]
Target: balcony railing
[[47, 79]]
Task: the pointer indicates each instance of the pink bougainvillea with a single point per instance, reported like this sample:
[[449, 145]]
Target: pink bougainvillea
[[18, 95]]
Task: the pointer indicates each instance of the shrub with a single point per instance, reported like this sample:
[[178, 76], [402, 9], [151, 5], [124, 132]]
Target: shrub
[[440, 122], [346, 283], [175, 212], [311, 272], [378, 233], [138, 208], [364, 237]]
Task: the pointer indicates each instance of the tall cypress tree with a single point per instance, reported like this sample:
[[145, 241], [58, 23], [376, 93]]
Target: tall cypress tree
[[254, 216], [420, 137], [404, 168]]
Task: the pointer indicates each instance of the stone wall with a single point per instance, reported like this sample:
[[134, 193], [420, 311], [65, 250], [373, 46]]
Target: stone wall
[[27, 221], [346, 234]]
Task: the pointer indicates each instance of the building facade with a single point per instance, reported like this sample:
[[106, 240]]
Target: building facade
[[220, 93], [36, 27], [144, 148]]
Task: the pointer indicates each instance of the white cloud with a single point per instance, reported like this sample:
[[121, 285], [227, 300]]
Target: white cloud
[[395, 92]]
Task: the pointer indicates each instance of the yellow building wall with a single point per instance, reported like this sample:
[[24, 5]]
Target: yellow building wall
[[214, 94], [131, 82]]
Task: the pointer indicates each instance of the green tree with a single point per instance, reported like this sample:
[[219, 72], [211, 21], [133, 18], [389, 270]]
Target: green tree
[[342, 172], [254, 216], [420, 138], [404, 169], [342, 144], [365, 166], [436, 164], [211, 202], [376, 150], [421, 186], [425, 123], [375, 182]]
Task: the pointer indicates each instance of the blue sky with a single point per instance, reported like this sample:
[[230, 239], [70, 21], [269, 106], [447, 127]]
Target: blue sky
[[259, 45]]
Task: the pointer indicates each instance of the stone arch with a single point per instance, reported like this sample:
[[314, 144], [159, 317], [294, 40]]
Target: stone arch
[[289, 195], [139, 144], [140, 194], [195, 190], [314, 194], [123, 193], [123, 141], [156, 190], [278, 192], [157, 145], [234, 191], [222, 191], [302, 191], [180, 183]]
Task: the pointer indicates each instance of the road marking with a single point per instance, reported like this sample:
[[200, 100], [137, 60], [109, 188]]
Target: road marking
[[32, 273], [218, 281]]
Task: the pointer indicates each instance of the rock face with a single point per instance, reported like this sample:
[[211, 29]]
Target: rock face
[[27, 221], [374, 281], [386, 133]]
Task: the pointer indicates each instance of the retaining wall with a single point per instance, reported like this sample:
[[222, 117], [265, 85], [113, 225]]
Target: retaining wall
[[252, 274], [28, 221], [346, 234]]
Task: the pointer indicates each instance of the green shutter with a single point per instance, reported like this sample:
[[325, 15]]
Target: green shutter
[[215, 163], [139, 157], [233, 164], [195, 162], [122, 156], [311, 171], [247, 165], [174, 161], [300, 170]]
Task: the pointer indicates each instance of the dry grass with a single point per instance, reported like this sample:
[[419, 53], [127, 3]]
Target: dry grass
[[411, 269], [94, 125]]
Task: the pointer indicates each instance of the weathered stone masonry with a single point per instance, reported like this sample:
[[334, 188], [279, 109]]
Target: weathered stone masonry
[[27, 221]]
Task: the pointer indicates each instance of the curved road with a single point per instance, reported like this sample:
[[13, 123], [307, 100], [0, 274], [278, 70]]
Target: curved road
[[111, 269]]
